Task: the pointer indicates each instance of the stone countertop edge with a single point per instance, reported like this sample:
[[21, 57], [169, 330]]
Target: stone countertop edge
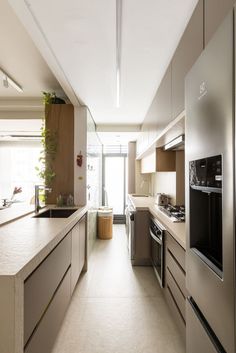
[[40, 248], [176, 229], [17, 211]]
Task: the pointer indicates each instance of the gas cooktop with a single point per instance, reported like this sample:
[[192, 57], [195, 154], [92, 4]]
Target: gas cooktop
[[175, 213]]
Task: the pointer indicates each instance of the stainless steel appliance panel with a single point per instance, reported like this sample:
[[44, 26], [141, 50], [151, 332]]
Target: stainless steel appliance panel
[[198, 337], [156, 231], [209, 102]]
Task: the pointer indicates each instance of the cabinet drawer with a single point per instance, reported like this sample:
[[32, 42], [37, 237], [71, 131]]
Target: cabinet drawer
[[174, 268], [177, 250], [42, 284], [176, 293], [45, 334], [176, 314]]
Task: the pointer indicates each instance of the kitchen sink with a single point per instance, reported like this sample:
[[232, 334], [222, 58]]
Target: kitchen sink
[[56, 213], [139, 195]]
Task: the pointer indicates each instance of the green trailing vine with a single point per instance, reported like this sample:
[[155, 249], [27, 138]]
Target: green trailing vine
[[47, 155], [51, 98], [49, 146]]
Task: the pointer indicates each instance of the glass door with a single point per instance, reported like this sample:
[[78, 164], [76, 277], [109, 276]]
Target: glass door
[[115, 183]]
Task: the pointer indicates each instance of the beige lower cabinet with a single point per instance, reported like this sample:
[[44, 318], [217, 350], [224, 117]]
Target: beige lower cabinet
[[175, 288], [40, 286], [48, 290], [78, 251], [45, 333]]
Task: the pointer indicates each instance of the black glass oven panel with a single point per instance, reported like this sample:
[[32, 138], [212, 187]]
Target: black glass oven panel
[[206, 172], [206, 213]]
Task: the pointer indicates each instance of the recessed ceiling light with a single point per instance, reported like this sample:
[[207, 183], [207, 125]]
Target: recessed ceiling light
[[118, 49]]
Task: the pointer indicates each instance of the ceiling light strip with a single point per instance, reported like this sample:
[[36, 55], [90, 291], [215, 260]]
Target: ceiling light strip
[[10, 81], [118, 49]]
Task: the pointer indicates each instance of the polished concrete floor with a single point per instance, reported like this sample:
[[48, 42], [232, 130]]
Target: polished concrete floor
[[117, 308]]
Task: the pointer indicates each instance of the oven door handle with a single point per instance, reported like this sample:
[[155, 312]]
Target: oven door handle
[[158, 240]]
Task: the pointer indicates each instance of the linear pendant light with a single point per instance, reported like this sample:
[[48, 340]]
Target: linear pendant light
[[118, 49], [7, 80]]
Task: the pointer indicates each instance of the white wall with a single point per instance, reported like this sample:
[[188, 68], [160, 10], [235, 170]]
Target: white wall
[[94, 164], [142, 181]]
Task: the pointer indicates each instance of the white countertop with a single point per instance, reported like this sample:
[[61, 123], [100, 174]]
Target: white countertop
[[176, 229], [25, 242], [15, 211]]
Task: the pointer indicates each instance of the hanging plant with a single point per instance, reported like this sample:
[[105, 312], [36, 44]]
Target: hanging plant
[[47, 155], [51, 98], [49, 144]]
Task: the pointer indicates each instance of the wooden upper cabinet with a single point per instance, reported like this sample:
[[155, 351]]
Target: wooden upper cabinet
[[188, 50], [215, 12], [158, 161]]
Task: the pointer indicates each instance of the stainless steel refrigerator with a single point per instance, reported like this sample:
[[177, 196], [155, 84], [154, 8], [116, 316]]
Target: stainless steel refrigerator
[[210, 196]]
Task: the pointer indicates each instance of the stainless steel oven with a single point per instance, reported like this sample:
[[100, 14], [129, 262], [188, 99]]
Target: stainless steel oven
[[156, 230]]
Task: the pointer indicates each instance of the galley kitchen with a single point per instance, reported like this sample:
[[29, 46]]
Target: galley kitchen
[[117, 183]]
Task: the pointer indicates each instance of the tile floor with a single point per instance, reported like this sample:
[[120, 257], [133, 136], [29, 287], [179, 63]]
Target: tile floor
[[117, 308]]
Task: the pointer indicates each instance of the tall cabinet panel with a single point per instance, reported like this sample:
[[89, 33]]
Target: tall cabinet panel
[[188, 50], [159, 114], [215, 12]]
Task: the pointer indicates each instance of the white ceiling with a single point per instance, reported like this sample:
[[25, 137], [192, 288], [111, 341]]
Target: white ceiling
[[81, 37], [21, 59], [118, 137]]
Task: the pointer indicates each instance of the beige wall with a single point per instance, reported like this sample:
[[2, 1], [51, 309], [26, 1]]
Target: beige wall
[[164, 182]]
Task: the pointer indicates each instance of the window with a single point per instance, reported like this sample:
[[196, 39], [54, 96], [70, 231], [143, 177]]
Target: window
[[17, 168]]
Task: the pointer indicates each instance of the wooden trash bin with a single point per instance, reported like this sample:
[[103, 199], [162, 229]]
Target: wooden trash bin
[[105, 221]]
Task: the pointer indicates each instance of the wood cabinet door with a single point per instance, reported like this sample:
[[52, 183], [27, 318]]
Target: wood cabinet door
[[188, 50], [46, 331], [78, 252], [159, 113], [82, 243], [40, 286], [75, 254], [215, 12]]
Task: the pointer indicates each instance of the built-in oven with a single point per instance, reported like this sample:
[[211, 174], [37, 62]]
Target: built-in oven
[[156, 230]]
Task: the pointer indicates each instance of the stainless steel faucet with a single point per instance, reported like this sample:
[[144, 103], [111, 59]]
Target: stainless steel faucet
[[36, 196]]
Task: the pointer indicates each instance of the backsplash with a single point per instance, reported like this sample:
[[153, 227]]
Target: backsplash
[[171, 183], [164, 182]]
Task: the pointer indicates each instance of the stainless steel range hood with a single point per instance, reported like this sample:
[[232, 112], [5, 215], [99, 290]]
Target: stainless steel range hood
[[176, 145]]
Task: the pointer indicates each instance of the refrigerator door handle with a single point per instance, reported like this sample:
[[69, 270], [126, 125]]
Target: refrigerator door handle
[[208, 330]]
